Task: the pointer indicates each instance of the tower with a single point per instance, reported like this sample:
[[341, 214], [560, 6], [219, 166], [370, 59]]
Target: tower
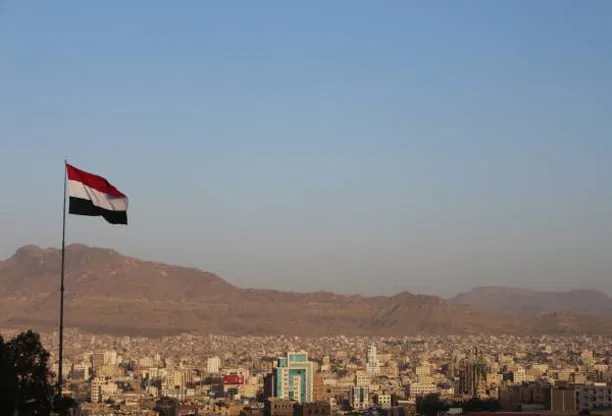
[[372, 364], [294, 378]]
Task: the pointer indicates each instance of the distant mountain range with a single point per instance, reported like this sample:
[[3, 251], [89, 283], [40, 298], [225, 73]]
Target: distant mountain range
[[534, 302], [111, 293]]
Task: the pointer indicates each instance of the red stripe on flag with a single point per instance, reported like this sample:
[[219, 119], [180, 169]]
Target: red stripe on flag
[[93, 181]]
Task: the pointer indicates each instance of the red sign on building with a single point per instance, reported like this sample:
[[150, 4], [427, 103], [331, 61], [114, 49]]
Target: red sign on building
[[233, 379]]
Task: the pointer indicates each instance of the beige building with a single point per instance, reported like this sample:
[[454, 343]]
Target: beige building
[[593, 397]]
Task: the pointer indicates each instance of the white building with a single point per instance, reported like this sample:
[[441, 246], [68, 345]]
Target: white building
[[384, 400], [520, 375], [372, 363], [213, 365], [146, 362], [110, 357], [95, 393], [421, 389]]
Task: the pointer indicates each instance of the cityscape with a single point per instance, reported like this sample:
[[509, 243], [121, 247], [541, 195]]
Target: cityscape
[[306, 208], [282, 376]]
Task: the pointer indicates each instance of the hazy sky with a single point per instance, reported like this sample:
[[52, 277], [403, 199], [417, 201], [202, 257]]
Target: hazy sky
[[355, 146]]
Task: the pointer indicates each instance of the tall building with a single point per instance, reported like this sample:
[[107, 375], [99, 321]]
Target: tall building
[[213, 365], [95, 392], [362, 378], [359, 397], [268, 387], [318, 390], [97, 360], [472, 377], [294, 378], [372, 363]]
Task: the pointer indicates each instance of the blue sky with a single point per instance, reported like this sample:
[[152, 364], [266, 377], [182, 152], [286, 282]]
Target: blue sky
[[355, 146]]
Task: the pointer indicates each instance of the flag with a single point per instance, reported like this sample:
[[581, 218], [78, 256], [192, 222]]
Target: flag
[[93, 195]]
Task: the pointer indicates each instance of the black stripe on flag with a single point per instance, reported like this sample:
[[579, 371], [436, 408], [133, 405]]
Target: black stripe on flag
[[80, 206]]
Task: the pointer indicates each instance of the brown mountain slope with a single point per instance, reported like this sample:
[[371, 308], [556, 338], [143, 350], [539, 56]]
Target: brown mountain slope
[[534, 302], [108, 292]]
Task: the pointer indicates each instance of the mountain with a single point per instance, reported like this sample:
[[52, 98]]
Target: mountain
[[534, 302], [108, 292]]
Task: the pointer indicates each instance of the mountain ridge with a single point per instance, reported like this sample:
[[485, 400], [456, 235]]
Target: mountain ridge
[[519, 301], [108, 291]]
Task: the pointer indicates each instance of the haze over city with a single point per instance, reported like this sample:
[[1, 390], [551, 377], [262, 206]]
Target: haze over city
[[358, 147]]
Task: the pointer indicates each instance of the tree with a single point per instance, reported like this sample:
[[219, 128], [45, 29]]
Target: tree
[[430, 404], [7, 381], [478, 405], [62, 405], [167, 406], [24, 375]]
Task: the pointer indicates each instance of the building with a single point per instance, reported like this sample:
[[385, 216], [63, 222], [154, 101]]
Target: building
[[593, 397], [109, 357], [390, 369], [326, 364], [294, 378], [563, 399], [213, 365], [95, 393], [97, 360], [472, 377], [383, 400], [359, 397], [318, 390], [421, 389], [66, 366], [79, 372], [372, 363], [423, 370], [268, 386], [362, 378], [515, 396], [312, 409], [279, 407], [519, 376]]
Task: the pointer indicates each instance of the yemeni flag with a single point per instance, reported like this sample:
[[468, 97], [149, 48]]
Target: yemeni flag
[[94, 196]]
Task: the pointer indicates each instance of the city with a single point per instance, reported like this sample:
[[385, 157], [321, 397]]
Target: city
[[283, 376], [305, 208]]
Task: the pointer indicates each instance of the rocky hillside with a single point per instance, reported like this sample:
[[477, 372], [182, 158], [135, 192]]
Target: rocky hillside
[[534, 302], [108, 292]]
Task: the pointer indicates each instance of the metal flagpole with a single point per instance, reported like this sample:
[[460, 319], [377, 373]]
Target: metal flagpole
[[61, 317]]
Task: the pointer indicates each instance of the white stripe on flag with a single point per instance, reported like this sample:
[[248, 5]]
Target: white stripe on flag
[[78, 189]]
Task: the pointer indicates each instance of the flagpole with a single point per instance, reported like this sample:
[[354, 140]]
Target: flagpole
[[61, 317]]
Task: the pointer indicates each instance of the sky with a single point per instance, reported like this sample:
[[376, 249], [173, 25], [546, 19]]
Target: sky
[[355, 146]]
